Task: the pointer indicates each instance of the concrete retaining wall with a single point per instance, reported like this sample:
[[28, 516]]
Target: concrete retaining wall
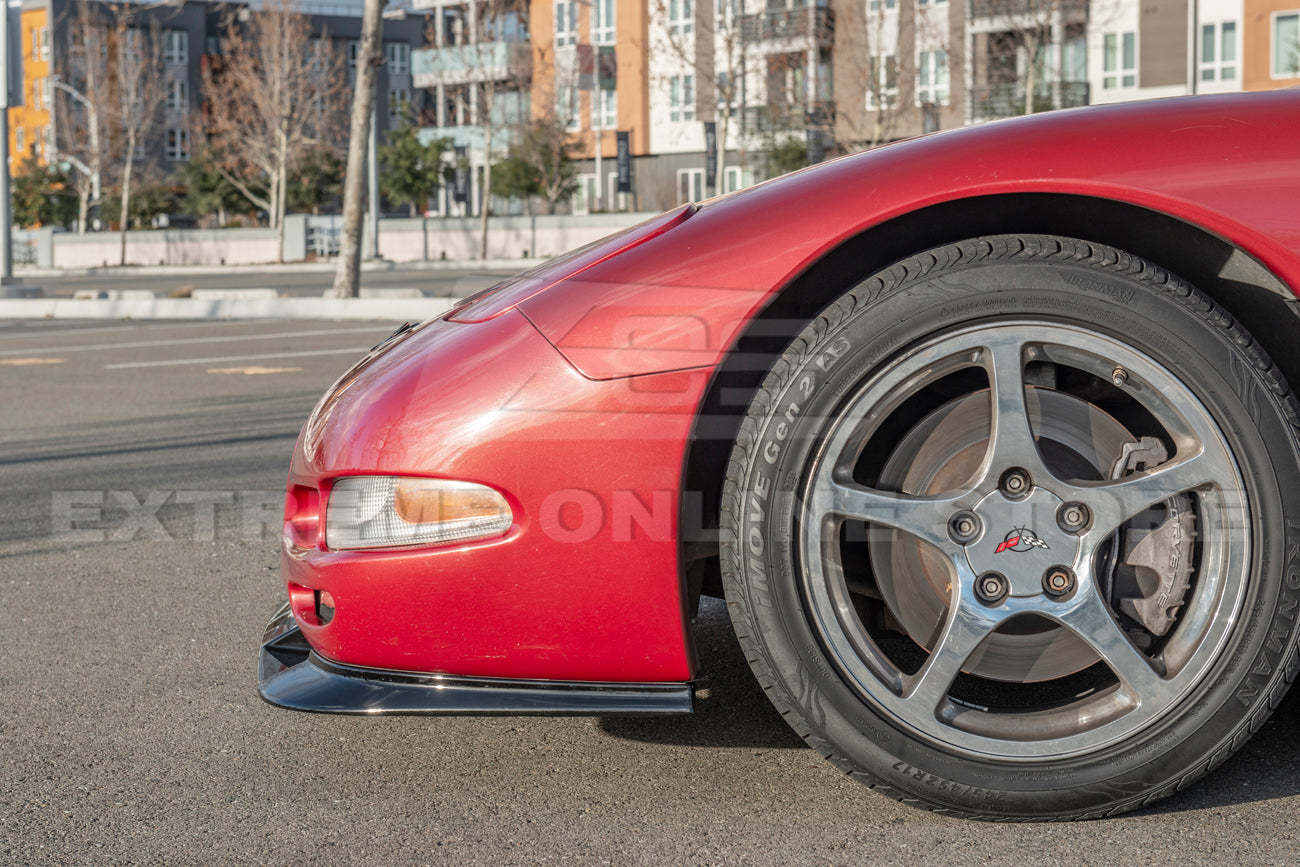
[[400, 240]]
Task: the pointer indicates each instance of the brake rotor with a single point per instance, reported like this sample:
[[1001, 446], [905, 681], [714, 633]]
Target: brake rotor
[[943, 453]]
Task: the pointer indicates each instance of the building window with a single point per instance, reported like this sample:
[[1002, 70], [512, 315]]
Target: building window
[[602, 22], [681, 17], [399, 106], [1119, 60], [882, 90], [1219, 51], [690, 185], [36, 43], [178, 95], [738, 179], [566, 23], [317, 54], [178, 145], [45, 43], [398, 56], [354, 50], [20, 139], [932, 78], [604, 109], [37, 91], [875, 5], [176, 47], [1286, 44], [681, 98], [567, 108], [1074, 60]]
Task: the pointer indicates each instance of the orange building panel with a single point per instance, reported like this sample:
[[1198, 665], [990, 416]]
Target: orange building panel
[[29, 124], [1261, 69]]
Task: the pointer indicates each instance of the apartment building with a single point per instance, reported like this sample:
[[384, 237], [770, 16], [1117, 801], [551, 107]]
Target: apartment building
[[191, 35], [1270, 34]]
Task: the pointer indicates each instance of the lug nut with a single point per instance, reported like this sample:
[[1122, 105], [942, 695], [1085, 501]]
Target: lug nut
[[1118, 377], [1058, 581], [991, 588], [964, 527], [1073, 517], [1015, 483]]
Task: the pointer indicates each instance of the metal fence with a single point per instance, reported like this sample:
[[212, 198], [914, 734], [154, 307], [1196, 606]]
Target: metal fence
[[324, 234], [1008, 100]]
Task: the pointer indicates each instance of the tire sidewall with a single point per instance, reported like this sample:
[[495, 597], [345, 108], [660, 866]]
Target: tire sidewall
[[831, 361]]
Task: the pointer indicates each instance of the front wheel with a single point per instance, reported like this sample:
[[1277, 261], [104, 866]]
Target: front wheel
[[1011, 531]]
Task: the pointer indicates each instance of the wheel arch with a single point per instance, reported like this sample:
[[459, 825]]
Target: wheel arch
[[1233, 278]]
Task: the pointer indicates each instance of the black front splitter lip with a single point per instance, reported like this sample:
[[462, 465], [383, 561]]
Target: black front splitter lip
[[291, 675]]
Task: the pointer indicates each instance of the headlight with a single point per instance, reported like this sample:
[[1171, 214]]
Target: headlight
[[389, 511]]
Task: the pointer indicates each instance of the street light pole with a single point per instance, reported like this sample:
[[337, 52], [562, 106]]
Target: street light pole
[[6, 204], [92, 115]]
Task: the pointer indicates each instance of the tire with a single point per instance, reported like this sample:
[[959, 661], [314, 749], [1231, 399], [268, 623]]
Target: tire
[[1012, 531]]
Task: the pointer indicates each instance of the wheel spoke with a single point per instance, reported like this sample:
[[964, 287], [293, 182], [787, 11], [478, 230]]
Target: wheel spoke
[[1092, 621], [1116, 502], [923, 517], [967, 625], [1011, 439]]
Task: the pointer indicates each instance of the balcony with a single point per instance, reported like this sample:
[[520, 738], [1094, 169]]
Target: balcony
[[471, 138], [789, 26], [466, 64], [769, 119], [1027, 11], [991, 102]]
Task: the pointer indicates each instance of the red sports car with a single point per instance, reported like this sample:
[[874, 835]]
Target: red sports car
[[988, 439]]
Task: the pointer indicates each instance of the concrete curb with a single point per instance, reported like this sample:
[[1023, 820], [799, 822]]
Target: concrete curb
[[511, 265], [393, 309]]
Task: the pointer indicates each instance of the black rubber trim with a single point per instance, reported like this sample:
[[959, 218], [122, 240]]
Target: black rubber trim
[[290, 675]]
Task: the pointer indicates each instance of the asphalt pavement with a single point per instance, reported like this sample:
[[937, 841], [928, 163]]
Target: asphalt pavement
[[141, 465]]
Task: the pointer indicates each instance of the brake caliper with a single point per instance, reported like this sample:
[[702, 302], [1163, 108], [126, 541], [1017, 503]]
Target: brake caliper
[[1160, 555]]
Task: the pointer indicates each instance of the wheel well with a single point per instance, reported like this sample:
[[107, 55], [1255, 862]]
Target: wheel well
[[1235, 280]]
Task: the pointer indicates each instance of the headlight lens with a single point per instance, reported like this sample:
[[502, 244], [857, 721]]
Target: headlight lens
[[391, 511]]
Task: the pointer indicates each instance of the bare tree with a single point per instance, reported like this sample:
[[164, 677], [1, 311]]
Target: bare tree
[[276, 94], [891, 58], [709, 39], [1025, 47], [347, 278], [138, 89], [494, 23], [111, 91], [81, 88]]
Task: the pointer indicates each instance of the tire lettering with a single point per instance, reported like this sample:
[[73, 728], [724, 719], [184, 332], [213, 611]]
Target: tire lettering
[[758, 580], [833, 353]]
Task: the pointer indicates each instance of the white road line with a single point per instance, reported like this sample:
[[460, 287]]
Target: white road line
[[154, 344], [37, 331], [94, 326], [224, 358]]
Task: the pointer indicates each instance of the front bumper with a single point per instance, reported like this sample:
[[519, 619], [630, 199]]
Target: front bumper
[[292, 676]]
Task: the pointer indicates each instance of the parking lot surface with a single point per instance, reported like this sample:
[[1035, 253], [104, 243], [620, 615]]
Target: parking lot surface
[[141, 466]]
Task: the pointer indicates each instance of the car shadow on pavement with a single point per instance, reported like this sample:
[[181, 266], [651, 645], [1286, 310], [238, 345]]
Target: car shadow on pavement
[[732, 711]]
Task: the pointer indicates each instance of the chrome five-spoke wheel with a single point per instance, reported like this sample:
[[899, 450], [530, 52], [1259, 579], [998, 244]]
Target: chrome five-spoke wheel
[[1004, 531]]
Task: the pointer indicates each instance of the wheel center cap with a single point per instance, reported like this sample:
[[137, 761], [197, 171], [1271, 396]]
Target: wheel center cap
[[1021, 539]]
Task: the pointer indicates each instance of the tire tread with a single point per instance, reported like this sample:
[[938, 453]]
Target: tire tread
[[853, 302]]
